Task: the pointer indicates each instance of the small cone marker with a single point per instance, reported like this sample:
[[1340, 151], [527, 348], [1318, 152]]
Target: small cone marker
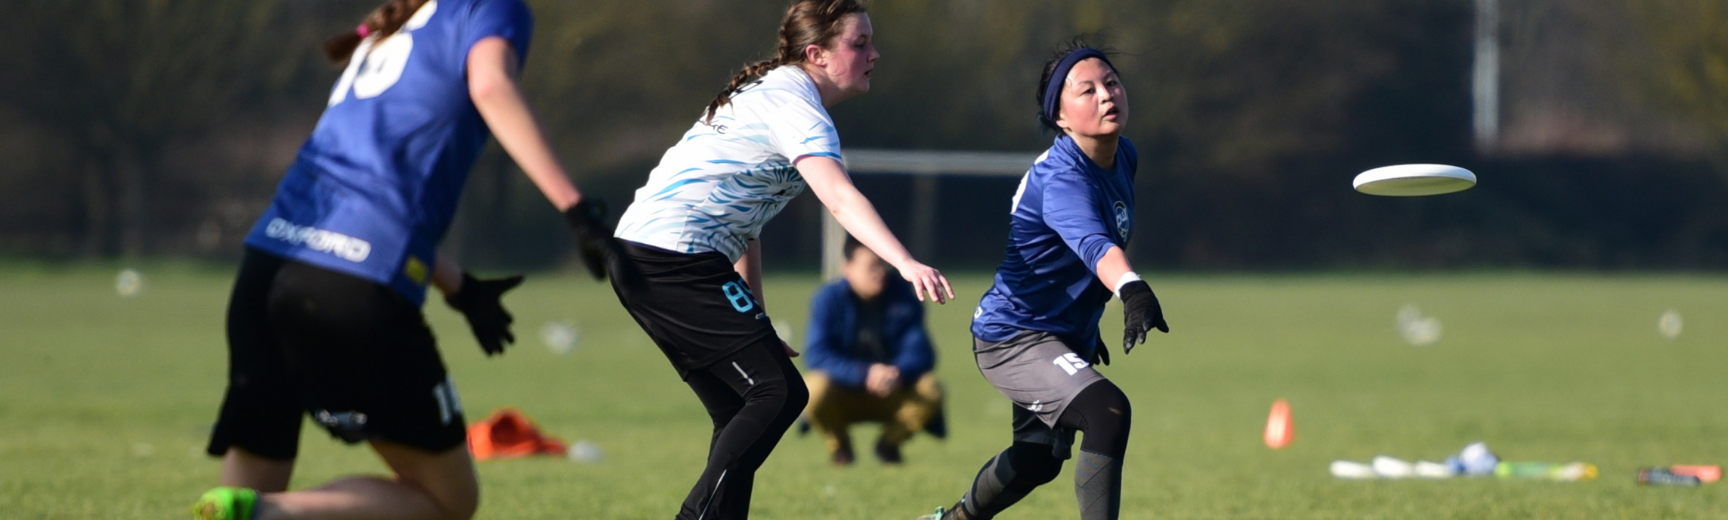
[[1279, 430]]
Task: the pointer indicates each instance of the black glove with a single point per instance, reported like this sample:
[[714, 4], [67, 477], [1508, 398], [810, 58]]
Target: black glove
[[1141, 314], [593, 234], [600, 251], [1100, 352], [482, 302]]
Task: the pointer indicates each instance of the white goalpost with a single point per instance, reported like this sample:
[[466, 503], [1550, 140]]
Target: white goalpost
[[924, 166]]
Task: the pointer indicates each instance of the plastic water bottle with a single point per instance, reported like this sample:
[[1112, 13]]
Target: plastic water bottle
[[1664, 477]]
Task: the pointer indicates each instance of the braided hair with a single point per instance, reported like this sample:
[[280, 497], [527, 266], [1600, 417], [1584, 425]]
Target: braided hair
[[807, 22], [383, 21]]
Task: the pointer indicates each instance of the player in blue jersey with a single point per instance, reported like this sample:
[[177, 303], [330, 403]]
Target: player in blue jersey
[[692, 231], [1036, 330], [325, 318]]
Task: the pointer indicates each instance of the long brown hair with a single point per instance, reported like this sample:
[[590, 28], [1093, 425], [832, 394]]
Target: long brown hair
[[807, 22], [384, 21]]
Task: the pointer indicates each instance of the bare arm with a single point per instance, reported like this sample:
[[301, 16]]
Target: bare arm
[[446, 274], [749, 266], [492, 71], [855, 213], [1111, 268]]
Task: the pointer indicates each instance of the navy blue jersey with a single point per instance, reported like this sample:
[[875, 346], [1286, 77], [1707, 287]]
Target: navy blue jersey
[[1067, 213], [373, 190]]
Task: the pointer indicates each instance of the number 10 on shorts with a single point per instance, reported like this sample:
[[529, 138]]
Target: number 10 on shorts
[[1070, 363]]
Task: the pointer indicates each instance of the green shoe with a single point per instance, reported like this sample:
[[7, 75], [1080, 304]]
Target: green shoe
[[225, 503]]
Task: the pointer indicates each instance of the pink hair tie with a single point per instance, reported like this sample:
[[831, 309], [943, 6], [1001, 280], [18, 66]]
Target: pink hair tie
[[362, 30]]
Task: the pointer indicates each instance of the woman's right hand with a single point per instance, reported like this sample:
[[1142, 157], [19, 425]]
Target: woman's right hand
[[926, 280]]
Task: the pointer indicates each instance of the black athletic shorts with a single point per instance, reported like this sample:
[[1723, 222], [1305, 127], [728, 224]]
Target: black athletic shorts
[[355, 355], [695, 306]]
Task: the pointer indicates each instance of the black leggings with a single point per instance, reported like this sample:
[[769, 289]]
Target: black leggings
[[753, 396], [1102, 412]]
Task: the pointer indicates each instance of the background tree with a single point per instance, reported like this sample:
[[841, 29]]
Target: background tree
[[116, 82], [142, 126]]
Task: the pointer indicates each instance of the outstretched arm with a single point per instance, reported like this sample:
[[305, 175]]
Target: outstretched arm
[[492, 70], [855, 213], [1111, 267], [1140, 307]]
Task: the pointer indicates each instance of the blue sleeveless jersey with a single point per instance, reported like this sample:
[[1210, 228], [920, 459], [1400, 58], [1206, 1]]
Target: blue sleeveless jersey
[[1066, 215], [374, 189]]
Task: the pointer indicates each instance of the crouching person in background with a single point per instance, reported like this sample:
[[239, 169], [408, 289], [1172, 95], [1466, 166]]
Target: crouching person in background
[[870, 360]]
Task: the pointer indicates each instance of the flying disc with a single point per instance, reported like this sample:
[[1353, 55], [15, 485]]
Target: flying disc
[[1414, 180]]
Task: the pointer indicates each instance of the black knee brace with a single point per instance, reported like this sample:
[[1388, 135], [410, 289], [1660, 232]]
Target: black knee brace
[[1103, 413]]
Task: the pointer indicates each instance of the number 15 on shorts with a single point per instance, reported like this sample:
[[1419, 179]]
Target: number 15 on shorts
[[1070, 363]]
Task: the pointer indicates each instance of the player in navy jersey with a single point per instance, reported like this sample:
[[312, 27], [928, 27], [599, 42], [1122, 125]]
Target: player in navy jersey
[[325, 318], [692, 231], [1036, 330]]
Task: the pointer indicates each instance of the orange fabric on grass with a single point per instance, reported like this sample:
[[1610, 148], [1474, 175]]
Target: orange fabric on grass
[[507, 434]]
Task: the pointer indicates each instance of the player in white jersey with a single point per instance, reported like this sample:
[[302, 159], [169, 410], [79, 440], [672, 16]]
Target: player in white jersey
[[692, 233], [728, 175]]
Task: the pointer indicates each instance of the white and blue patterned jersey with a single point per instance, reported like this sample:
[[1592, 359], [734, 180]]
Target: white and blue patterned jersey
[[1067, 213], [716, 188], [375, 187]]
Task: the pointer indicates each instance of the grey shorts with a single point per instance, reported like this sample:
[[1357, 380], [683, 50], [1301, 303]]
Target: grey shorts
[[1041, 375]]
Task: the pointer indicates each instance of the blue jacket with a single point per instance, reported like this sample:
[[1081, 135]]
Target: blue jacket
[[829, 340]]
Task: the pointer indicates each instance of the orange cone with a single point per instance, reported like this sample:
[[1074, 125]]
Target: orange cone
[[508, 434], [1279, 429]]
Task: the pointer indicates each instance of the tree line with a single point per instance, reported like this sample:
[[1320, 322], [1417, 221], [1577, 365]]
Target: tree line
[[158, 127]]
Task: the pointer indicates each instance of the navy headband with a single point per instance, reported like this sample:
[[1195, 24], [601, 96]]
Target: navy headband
[[1053, 89]]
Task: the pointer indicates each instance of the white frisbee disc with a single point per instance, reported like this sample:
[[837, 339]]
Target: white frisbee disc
[[1414, 180]]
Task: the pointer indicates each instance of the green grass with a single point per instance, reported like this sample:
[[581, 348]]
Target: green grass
[[105, 402]]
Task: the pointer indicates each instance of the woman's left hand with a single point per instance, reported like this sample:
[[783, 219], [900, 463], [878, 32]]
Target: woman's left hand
[[927, 280]]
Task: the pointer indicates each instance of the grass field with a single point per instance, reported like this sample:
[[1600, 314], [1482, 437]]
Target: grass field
[[105, 401]]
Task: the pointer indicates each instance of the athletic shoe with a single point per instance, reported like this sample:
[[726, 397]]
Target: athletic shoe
[[944, 513], [947, 513], [938, 425], [226, 503], [803, 426], [842, 457], [889, 453]]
